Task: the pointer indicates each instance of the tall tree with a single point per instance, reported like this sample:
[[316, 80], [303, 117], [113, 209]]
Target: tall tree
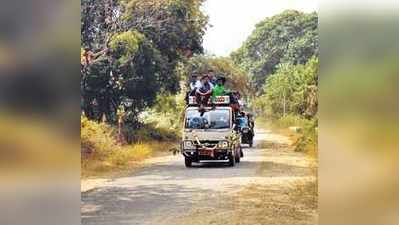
[[130, 51], [289, 37]]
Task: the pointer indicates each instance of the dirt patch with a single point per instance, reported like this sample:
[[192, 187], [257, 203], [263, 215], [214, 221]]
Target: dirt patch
[[294, 204], [284, 192]]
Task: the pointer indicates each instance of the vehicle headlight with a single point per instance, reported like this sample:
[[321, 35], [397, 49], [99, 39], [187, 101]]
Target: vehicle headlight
[[223, 144], [188, 145]]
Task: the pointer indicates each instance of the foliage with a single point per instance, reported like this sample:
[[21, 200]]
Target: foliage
[[305, 139], [97, 139], [290, 37], [128, 42], [128, 80], [151, 131], [308, 141], [291, 90], [290, 120], [167, 112], [131, 51], [237, 79], [101, 152]]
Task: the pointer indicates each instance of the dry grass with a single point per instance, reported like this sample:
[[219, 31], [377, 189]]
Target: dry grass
[[123, 160], [103, 155], [305, 140], [293, 204]]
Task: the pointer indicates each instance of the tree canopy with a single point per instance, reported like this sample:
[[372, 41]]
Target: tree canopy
[[292, 90], [290, 37], [131, 50]]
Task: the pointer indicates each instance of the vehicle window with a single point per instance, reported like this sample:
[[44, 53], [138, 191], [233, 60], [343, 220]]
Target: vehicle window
[[214, 119]]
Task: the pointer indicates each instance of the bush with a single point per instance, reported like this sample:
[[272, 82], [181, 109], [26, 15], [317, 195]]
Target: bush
[[306, 139], [97, 139], [129, 153], [149, 132], [291, 120], [101, 152], [291, 90]]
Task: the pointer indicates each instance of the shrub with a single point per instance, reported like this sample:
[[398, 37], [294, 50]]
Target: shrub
[[306, 139], [101, 152], [97, 139], [290, 120]]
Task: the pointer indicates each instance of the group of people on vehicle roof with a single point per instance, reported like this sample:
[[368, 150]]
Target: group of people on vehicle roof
[[208, 86]]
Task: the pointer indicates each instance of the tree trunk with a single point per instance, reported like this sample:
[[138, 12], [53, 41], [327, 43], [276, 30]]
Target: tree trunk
[[284, 104]]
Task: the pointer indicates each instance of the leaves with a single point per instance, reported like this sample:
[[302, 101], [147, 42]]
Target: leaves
[[289, 89], [290, 37], [131, 50]]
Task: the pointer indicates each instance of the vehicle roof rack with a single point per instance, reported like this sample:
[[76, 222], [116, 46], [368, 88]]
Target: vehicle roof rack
[[218, 100]]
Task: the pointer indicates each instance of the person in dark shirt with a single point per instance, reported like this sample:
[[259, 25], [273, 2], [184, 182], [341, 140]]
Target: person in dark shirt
[[194, 81], [203, 92], [211, 76]]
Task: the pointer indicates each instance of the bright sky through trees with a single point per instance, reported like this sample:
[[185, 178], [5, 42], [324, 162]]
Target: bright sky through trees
[[233, 20]]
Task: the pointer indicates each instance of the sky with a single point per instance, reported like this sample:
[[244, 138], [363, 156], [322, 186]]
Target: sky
[[234, 20]]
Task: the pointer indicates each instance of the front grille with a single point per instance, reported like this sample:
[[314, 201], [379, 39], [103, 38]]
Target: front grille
[[209, 144]]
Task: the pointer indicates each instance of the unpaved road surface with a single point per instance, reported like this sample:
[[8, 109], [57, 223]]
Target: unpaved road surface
[[271, 185]]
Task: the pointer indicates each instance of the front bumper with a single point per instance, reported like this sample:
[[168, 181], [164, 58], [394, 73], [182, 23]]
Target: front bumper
[[207, 154]]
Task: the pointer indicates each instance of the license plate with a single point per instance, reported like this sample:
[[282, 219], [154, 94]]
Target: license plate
[[206, 152]]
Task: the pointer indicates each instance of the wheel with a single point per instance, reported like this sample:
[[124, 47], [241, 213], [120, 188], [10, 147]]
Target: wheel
[[232, 160], [188, 162]]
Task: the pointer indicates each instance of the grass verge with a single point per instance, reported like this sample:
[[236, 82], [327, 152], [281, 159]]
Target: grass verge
[[302, 132], [102, 155]]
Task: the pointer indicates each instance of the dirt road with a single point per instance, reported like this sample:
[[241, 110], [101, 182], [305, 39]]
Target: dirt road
[[271, 185]]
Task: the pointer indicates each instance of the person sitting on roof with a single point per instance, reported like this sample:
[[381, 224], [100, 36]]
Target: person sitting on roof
[[194, 83], [203, 92], [211, 77], [219, 89]]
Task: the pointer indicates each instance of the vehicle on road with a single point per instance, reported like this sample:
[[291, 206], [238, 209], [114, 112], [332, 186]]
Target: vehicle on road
[[211, 134], [247, 135]]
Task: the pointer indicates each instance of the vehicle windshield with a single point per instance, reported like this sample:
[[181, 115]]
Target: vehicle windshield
[[214, 119]]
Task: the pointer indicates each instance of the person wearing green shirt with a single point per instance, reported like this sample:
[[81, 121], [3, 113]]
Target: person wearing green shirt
[[219, 89]]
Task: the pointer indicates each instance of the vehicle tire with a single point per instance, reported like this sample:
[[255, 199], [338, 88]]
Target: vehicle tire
[[232, 160], [188, 162]]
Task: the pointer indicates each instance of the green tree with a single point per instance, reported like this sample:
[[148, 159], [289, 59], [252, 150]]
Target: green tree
[[290, 37], [292, 90], [131, 50]]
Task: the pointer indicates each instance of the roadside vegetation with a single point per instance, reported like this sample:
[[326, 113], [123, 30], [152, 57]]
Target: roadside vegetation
[[104, 153], [285, 75]]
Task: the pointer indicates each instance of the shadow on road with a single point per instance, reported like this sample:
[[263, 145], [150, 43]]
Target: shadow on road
[[122, 205]]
